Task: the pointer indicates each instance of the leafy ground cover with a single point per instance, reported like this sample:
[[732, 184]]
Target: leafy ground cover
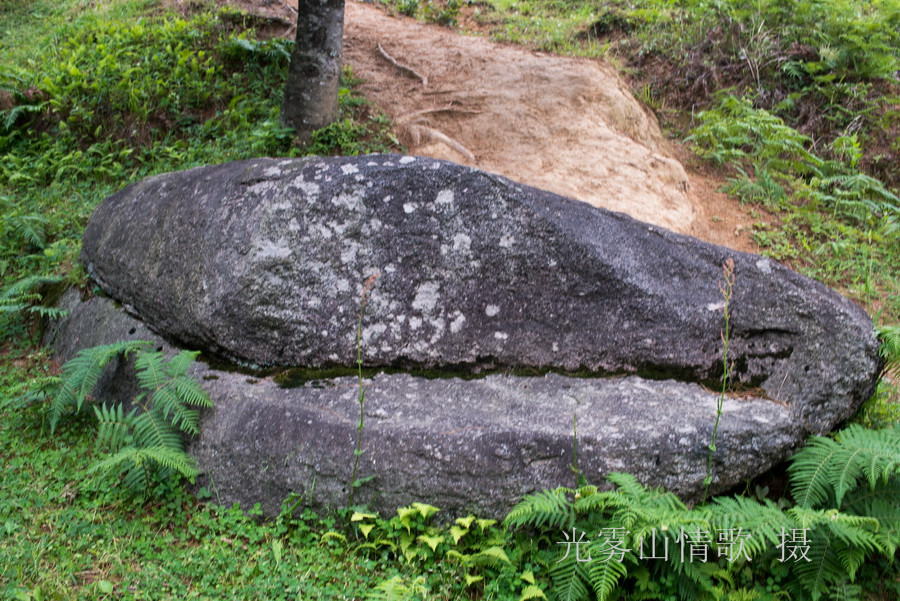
[[97, 94]]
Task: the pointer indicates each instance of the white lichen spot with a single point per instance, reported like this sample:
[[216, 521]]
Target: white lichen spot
[[387, 198], [715, 306], [555, 347], [407, 160], [415, 323], [462, 243], [507, 241], [342, 285], [438, 325], [320, 230], [272, 172], [491, 310], [350, 252], [349, 169], [444, 197], [375, 331], [273, 250], [551, 263], [457, 323], [410, 207], [426, 297], [352, 202], [501, 335], [261, 187], [764, 266]]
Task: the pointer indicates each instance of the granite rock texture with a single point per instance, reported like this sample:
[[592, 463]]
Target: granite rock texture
[[262, 263]]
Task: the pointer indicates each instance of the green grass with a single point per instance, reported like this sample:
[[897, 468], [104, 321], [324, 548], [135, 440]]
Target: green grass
[[65, 534]]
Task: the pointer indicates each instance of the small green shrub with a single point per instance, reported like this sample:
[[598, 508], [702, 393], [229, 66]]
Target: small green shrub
[[478, 552]]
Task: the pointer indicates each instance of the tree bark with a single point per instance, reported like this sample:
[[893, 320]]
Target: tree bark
[[311, 93]]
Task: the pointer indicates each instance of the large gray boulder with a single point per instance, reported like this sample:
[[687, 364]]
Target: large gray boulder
[[262, 263], [483, 282]]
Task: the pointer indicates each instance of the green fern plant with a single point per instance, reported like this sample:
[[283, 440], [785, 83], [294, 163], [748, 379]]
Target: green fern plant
[[890, 349], [825, 470], [146, 443], [26, 295], [848, 510]]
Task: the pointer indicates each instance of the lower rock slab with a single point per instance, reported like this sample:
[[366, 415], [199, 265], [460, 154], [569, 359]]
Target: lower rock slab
[[474, 445]]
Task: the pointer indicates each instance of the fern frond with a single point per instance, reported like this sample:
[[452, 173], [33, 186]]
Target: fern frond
[[890, 348], [47, 312], [604, 575], [547, 508], [113, 427], [695, 580], [167, 401], [81, 374], [151, 429], [634, 492], [765, 521], [13, 114], [32, 229], [826, 468], [138, 465], [151, 372], [180, 363], [190, 392], [588, 500], [640, 509], [822, 568], [882, 504], [26, 285], [31, 391], [570, 580], [18, 305], [170, 389]]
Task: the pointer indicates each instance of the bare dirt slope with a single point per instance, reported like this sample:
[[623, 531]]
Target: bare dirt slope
[[568, 125]]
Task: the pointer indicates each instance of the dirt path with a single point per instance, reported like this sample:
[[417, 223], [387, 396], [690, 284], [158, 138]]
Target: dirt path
[[564, 124]]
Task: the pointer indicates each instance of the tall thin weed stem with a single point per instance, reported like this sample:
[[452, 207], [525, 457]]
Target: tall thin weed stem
[[368, 285], [726, 288]]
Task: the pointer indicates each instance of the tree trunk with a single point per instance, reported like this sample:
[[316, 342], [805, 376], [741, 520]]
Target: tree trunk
[[311, 93]]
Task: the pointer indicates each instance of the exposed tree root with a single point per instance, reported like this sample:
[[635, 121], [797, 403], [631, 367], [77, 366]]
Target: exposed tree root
[[418, 130], [405, 69], [441, 109]]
